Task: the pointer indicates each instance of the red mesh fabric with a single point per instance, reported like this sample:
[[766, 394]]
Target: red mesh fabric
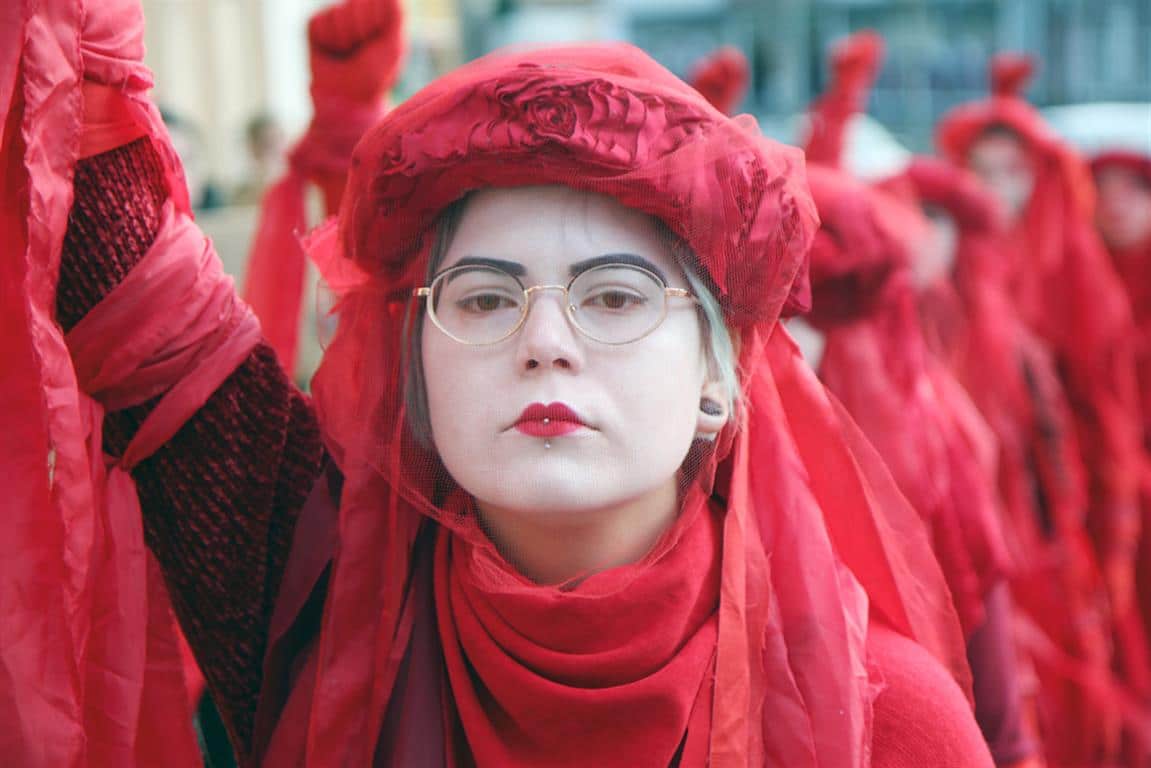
[[813, 531], [722, 78], [355, 49]]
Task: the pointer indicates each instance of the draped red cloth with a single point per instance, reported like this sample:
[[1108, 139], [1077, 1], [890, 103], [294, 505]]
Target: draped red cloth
[[722, 78], [94, 669], [876, 363], [355, 49], [1134, 266], [806, 535], [973, 325]]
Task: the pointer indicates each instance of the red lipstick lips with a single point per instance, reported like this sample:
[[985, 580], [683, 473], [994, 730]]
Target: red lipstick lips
[[551, 420]]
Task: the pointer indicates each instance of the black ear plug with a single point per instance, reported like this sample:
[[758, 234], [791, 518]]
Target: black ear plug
[[710, 407]]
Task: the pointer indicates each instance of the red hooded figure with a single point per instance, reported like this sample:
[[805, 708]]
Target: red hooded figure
[[576, 248], [1123, 178], [874, 359], [973, 326], [1067, 291]]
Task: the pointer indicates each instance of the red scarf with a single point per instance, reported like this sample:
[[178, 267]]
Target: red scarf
[[619, 666]]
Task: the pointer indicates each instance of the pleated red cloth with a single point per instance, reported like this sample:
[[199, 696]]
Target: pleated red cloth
[[95, 673]]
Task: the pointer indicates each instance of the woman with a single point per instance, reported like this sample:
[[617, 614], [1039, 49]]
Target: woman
[[555, 526], [1123, 217]]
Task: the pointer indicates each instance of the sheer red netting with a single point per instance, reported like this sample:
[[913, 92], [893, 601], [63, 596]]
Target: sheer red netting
[[813, 536]]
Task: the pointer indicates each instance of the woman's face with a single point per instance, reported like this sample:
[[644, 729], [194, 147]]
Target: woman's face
[[637, 405], [1124, 210], [1005, 166]]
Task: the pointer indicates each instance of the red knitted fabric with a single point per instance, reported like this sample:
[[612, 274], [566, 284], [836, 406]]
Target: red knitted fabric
[[221, 498]]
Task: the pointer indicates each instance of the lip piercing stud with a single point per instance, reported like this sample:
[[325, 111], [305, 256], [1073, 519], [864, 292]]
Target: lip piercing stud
[[547, 444], [547, 420]]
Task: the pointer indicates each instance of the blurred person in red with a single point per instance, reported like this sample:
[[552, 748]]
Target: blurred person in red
[[1123, 216], [355, 51], [872, 355], [972, 325], [401, 571], [1066, 289]]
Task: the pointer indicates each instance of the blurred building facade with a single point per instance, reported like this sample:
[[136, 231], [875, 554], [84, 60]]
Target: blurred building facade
[[1090, 50]]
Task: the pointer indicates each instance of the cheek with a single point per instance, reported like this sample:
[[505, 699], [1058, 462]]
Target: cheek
[[454, 405], [657, 390]]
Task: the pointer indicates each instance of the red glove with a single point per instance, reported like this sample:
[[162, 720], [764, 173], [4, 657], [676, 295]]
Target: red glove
[[855, 62], [355, 50]]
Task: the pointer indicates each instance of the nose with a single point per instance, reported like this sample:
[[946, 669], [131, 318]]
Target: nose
[[547, 339]]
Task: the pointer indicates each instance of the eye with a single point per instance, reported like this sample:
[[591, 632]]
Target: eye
[[484, 303], [615, 299]]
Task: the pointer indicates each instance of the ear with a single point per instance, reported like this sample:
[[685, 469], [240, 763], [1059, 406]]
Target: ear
[[713, 410]]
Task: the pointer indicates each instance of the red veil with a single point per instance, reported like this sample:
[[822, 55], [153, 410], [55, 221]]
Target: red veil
[[812, 536]]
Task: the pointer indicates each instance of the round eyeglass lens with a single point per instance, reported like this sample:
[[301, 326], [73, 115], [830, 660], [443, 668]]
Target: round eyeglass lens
[[477, 305], [617, 303]]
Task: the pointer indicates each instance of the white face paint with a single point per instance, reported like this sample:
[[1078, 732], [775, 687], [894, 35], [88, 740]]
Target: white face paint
[[936, 252], [1124, 210], [1004, 165], [638, 404], [810, 340]]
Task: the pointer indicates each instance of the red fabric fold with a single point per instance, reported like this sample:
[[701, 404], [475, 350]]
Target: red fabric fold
[[876, 363]]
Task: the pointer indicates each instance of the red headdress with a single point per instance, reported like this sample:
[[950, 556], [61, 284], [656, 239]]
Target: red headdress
[[722, 77], [778, 673]]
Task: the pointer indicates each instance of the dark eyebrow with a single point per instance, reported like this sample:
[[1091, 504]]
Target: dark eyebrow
[[631, 259], [511, 267]]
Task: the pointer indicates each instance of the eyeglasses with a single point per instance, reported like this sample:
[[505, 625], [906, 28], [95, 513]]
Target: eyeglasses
[[612, 303]]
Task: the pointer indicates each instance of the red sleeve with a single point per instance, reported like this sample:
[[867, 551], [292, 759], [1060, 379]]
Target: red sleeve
[[921, 716], [220, 499]]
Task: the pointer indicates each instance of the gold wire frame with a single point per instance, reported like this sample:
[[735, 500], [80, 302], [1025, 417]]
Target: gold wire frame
[[425, 292]]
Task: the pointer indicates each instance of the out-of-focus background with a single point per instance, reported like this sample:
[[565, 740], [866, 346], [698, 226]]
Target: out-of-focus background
[[232, 75]]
